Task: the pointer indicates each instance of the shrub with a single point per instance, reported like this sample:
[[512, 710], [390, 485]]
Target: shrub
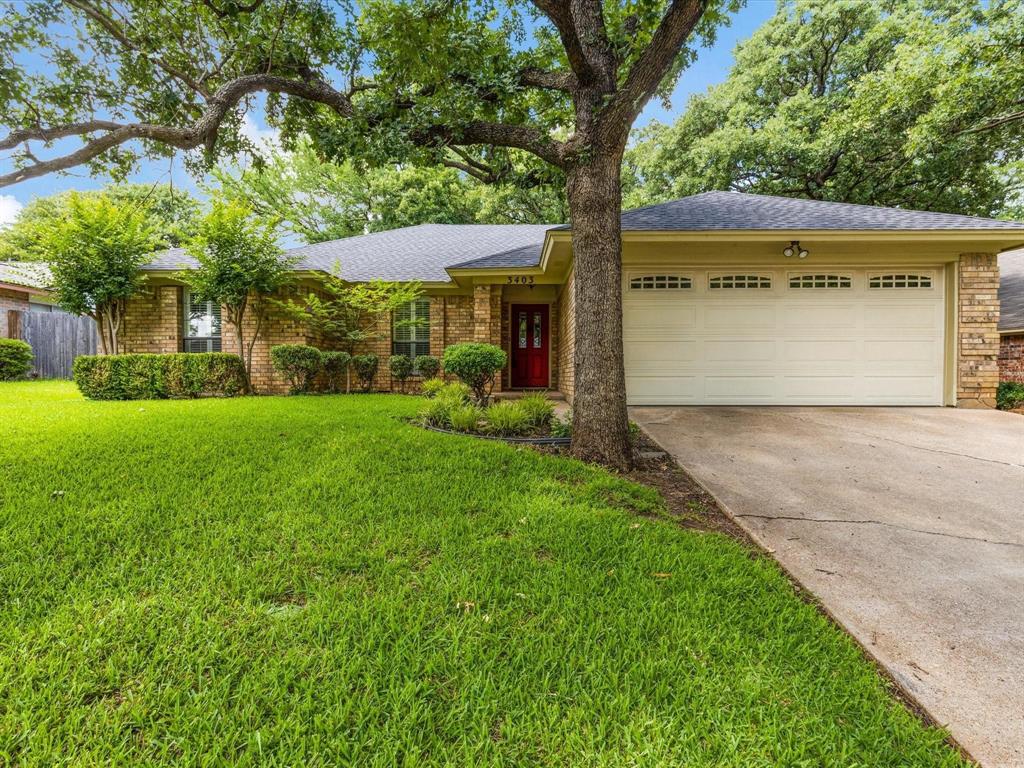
[[507, 419], [562, 428], [476, 365], [365, 367], [299, 363], [15, 359], [154, 377], [401, 369], [431, 387], [335, 366], [427, 366], [538, 408], [465, 418], [1010, 395], [436, 412]]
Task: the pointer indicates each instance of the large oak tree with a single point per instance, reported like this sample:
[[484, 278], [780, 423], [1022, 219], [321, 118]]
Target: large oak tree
[[476, 86]]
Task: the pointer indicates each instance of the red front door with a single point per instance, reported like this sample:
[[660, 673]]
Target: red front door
[[529, 345]]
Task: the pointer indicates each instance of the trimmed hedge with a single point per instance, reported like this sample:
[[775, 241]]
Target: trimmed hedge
[[335, 368], [401, 369], [299, 363], [159, 377], [427, 366], [15, 359], [365, 367], [476, 365]]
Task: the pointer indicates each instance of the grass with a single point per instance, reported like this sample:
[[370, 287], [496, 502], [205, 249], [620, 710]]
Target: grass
[[313, 581]]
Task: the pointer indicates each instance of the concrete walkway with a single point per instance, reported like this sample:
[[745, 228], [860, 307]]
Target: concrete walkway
[[907, 523]]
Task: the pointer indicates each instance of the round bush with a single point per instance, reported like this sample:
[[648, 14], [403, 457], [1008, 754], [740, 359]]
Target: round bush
[[335, 367], [365, 367], [427, 366], [299, 363], [476, 365], [401, 369], [15, 359]]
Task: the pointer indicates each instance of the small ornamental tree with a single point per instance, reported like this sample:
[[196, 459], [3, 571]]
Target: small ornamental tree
[[366, 370], [239, 266], [351, 314], [96, 250], [401, 369], [427, 366], [476, 365]]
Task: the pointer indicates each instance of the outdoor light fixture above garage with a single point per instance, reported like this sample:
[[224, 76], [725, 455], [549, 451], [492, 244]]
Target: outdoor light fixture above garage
[[794, 249]]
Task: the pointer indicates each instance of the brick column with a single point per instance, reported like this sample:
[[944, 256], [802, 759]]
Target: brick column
[[977, 330], [487, 318]]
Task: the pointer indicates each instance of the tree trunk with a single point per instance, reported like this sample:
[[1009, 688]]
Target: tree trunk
[[600, 429]]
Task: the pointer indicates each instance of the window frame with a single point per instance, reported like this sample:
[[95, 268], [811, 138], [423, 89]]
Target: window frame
[[904, 277], [198, 344], [764, 281], [844, 280], [418, 342], [648, 282]]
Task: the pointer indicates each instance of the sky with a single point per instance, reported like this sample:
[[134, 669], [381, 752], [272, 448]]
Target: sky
[[712, 66]]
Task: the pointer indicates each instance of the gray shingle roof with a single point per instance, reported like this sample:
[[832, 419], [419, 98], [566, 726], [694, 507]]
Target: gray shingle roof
[[30, 274], [411, 253], [417, 253], [527, 256], [1011, 290], [737, 210]]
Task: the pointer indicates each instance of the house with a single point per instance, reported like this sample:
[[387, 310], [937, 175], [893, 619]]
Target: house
[[23, 287], [1011, 316], [728, 298]]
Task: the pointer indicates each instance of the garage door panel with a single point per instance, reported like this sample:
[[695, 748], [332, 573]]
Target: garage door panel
[[791, 346], [670, 315], [815, 315], [820, 351], [732, 316], [739, 350], [738, 388], [819, 389]]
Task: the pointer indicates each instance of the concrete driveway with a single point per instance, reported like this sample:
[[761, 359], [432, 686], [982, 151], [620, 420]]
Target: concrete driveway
[[907, 523]]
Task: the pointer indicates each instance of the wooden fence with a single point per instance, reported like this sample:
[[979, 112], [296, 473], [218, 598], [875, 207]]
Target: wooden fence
[[57, 338]]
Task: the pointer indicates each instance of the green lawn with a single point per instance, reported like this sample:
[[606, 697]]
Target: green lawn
[[313, 581]]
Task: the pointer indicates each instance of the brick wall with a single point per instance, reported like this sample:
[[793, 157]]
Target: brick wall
[[1011, 358], [567, 339], [977, 334], [153, 321], [10, 300]]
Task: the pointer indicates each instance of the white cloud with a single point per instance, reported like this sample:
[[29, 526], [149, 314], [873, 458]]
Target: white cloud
[[9, 208], [265, 139]]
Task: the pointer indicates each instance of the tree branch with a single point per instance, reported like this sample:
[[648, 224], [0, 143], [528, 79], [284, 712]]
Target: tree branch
[[494, 134], [60, 132], [119, 34], [535, 77], [202, 132], [995, 122], [559, 14], [648, 71]]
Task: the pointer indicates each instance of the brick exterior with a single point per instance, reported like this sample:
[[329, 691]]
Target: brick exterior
[[10, 300], [153, 321], [567, 339], [977, 334], [1011, 358]]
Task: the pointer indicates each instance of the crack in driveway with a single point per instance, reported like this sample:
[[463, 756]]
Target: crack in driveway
[[880, 522]]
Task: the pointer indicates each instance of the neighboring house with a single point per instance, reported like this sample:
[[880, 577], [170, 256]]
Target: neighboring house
[[1011, 317], [23, 286], [728, 298]]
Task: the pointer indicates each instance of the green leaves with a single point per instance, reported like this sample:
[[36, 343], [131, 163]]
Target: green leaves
[[96, 248]]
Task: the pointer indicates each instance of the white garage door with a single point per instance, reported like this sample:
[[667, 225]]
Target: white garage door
[[821, 336]]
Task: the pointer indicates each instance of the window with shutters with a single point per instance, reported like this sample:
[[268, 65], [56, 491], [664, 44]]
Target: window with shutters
[[660, 283], [202, 324], [410, 335], [900, 281], [739, 281], [820, 281]]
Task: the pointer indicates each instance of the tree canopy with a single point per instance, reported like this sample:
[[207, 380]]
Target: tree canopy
[[915, 103], [320, 200], [171, 214]]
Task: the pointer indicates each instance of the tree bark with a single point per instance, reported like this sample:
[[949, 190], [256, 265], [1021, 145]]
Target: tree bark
[[600, 430]]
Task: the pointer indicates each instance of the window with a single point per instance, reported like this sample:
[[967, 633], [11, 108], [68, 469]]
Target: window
[[411, 332], [202, 324], [740, 281], [820, 281], [900, 281], [659, 282]]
